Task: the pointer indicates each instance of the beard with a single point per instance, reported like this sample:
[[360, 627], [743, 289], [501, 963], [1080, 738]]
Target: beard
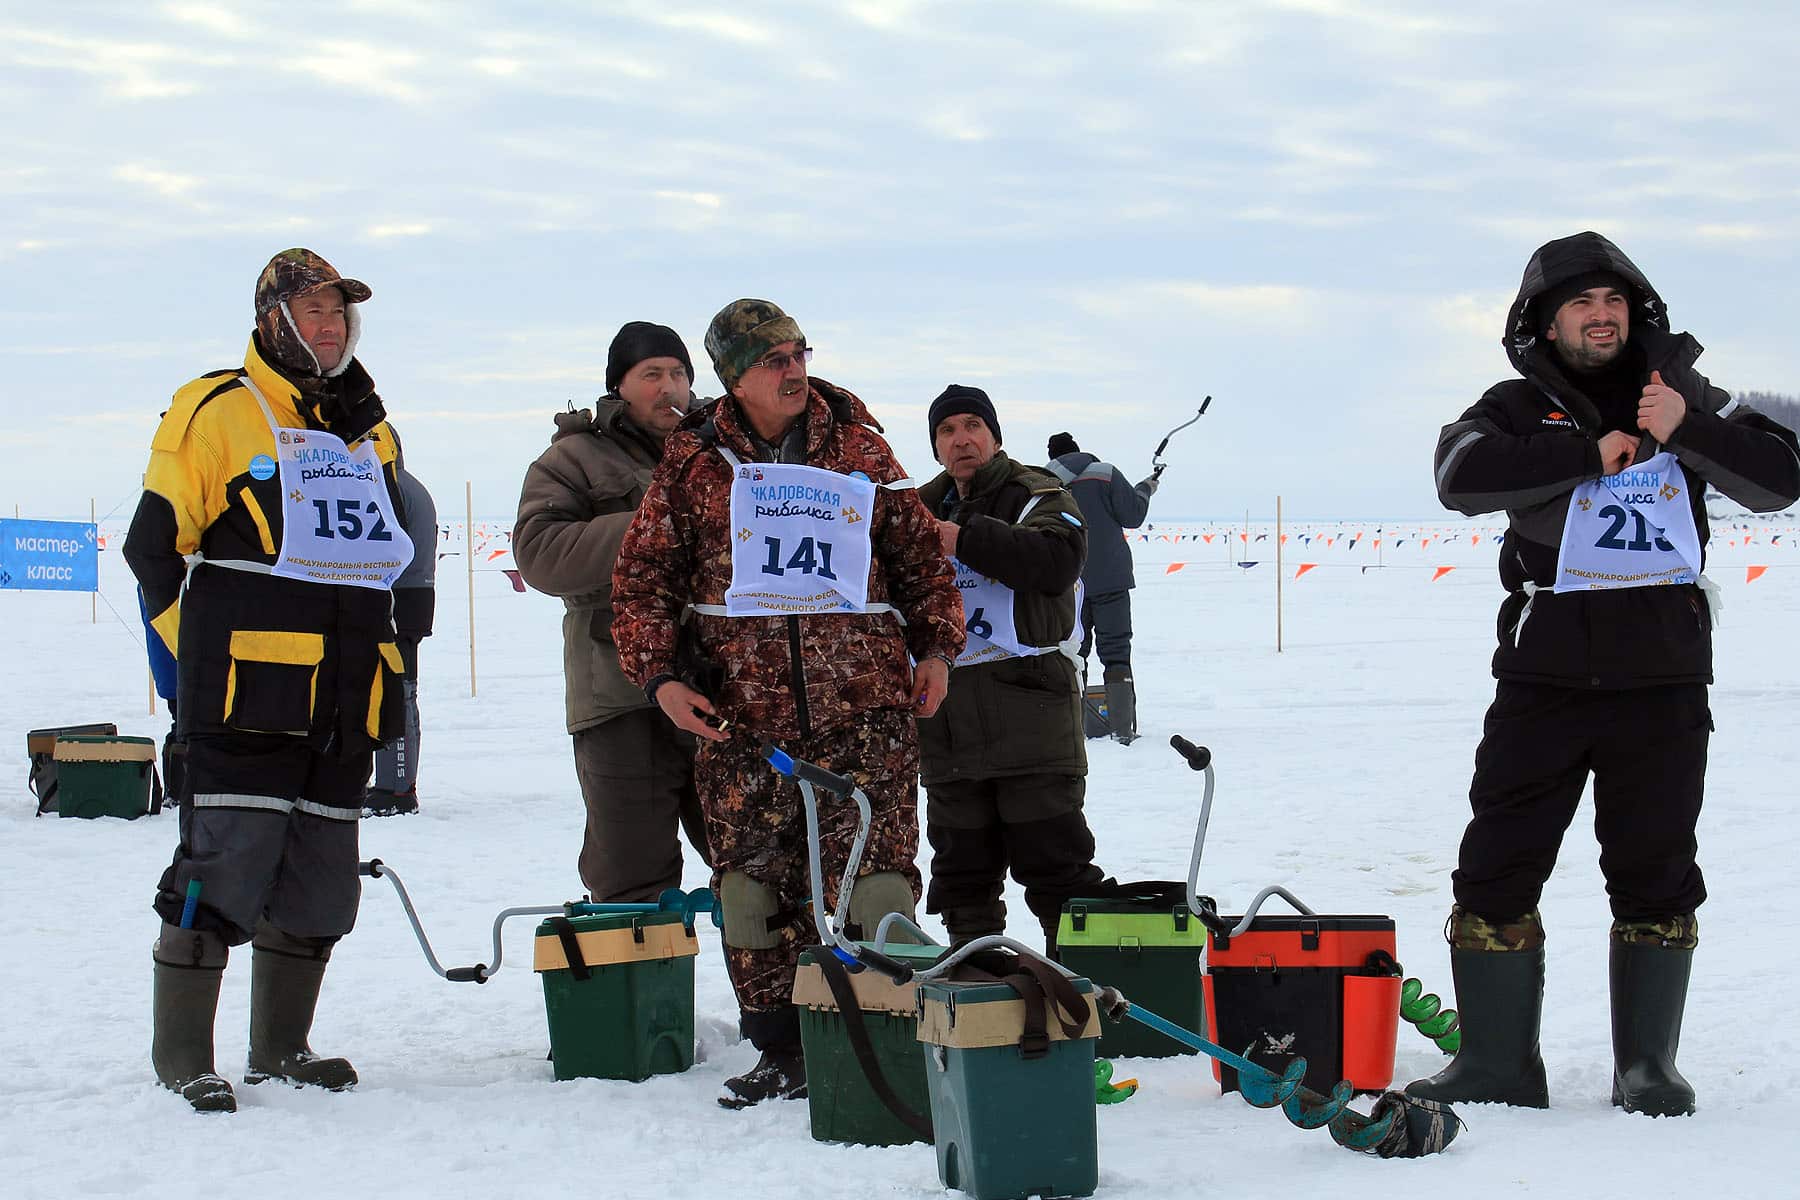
[[1586, 356]]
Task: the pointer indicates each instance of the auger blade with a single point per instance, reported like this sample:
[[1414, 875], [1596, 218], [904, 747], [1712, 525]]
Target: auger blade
[[1356, 1132], [1309, 1110], [1265, 1089]]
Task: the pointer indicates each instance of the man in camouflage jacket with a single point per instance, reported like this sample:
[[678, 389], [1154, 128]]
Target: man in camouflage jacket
[[635, 769], [839, 689]]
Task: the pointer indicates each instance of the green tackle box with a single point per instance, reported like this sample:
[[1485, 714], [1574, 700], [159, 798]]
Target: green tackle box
[[1011, 1120], [1152, 952], [843, 1103], [618, 993], [101, 775]]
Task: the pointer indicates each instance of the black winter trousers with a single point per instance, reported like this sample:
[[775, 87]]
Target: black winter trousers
[[637, 780], [1646, 750], [980, 827], [1106, 627]]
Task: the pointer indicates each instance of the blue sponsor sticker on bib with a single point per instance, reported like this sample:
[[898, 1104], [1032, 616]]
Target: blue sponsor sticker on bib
[[859, 475], [262, 467]]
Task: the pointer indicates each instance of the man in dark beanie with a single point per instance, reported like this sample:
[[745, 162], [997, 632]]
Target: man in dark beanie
[[776, 546], [635, 769], [1600, 455], [1110, 505], [278, 483], [1004, 762]]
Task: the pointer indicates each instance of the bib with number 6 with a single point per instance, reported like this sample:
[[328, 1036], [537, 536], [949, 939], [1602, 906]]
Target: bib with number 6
[[338, 525], [1632, 529], [799, 541]]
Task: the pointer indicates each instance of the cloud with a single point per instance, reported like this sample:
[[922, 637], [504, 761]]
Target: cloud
[[1254, 303], [358, 67], [722, 25], [130, 70], [399, 229], [167, 184], [212, 18]]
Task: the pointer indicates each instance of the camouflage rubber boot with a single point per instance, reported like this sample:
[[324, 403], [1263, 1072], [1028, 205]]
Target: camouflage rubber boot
[[285, 975], [1649, 968], [1121, 704], [1499, 975], [189, 965]]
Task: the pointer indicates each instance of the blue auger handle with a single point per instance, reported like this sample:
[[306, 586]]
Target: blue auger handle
[[799, 768]]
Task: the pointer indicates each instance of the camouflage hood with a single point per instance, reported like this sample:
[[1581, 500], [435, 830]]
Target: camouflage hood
[[286, 277]]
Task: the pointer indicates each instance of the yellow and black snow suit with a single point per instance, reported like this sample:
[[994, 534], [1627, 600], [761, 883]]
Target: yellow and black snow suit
[[255, 652]]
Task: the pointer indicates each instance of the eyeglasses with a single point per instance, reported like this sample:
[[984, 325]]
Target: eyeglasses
[[781, 362]]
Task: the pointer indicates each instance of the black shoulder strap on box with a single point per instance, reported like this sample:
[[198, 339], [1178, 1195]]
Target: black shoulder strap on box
[[565, 933], [1046, 991], [838, 980]]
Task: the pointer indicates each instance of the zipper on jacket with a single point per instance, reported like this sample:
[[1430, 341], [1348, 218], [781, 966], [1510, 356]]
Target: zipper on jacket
[[797, 679]]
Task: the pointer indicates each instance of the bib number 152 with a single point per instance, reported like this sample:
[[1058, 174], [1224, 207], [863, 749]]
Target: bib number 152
[[349, 521]]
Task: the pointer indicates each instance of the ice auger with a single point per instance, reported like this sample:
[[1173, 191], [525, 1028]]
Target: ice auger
[[1401, 1126], [688, 904]]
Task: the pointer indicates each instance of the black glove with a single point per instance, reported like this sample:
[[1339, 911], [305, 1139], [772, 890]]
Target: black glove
[[1149, 486]]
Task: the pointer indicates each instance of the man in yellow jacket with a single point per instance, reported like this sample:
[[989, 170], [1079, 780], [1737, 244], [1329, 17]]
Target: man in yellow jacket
[[266, 543]]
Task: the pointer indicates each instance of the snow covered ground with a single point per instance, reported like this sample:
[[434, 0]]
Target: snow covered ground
[[1343, 766]]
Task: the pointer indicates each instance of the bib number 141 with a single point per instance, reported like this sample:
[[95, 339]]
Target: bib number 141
[[1618, 515], [810, 557], [349, 524]]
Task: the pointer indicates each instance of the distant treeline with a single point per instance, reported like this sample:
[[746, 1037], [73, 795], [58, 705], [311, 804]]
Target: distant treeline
[[1785, 409]]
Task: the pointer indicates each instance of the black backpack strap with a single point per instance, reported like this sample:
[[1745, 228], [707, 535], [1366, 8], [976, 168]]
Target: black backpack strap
[[838, 980], [565, 933]]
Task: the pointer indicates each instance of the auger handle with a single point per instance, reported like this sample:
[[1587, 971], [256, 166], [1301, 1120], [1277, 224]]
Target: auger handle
[[875, 960], [474, 974], [814, 774], [1197, 756]]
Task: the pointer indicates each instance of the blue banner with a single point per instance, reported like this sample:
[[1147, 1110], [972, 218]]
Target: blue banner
[[53, 556]]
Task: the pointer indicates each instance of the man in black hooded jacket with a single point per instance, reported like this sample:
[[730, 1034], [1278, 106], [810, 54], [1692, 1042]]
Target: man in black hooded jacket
[[1600, 456]]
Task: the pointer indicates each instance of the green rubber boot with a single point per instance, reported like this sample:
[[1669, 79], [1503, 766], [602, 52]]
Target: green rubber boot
[[285, 975], [188, 966]]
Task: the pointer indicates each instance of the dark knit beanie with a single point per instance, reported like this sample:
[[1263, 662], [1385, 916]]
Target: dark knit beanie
[[638, 340], [1551, 299], [1061, 444], [958, 399]]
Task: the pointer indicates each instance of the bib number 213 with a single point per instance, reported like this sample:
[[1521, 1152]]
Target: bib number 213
[[349, 521], [810, 557], [1619, 515]]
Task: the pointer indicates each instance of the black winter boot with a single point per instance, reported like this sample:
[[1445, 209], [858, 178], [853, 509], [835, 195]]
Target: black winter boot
[[1649, 994], [189, 965], [285, 975], [780, 1074], [1500, 1001], [1121, 704]]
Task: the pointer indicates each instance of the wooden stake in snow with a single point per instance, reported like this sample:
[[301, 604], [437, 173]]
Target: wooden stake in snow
[[1278, 574], [469, 553]]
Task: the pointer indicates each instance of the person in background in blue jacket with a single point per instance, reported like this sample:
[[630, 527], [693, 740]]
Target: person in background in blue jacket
[[1110, 506]]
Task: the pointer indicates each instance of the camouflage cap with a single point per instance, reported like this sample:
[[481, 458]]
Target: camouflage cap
[[744, 331], [299, 271]]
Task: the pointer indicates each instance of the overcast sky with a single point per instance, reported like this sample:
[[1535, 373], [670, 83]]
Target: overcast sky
[[1100, 211]]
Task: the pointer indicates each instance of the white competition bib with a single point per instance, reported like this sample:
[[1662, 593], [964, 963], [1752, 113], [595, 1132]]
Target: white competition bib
[[1632, 529], [800, 541], [988, 618], [337, 523]]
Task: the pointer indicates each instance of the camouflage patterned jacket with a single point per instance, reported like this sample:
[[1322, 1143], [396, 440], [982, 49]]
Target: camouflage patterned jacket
[[781, 677]]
